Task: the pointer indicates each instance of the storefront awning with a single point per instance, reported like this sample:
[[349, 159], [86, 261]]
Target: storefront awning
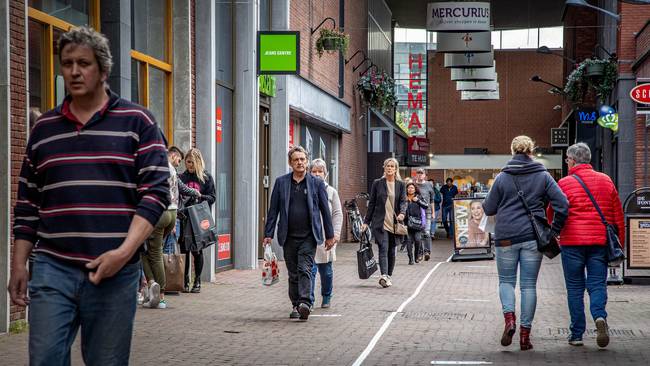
[[312, 101], [486, 161]]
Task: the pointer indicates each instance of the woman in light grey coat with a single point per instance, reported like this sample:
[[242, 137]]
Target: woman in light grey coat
[[324, 258]]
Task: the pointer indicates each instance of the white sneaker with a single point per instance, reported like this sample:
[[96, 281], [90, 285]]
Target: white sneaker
[[383, 281], [162, 304], [389, 281], [140, 297], [154, 294]]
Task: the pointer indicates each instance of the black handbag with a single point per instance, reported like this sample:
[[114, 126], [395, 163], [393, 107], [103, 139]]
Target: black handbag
[[414, 223], [615, 254], [198, 228], [366, 262], [546, 242]]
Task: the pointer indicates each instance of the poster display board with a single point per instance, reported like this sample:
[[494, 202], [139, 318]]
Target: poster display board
[[637, 238], [470, 241], [638, 243]]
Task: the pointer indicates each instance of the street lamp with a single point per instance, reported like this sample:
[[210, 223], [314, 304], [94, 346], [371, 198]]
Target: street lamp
[[583, 3], [555, 90], [547, 51]]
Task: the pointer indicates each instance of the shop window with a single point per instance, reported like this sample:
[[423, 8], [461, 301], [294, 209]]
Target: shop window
[[224, 169], [224, 41], [48, 19], [151, 54]]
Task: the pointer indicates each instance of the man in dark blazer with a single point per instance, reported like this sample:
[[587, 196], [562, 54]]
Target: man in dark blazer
[[298, 203]]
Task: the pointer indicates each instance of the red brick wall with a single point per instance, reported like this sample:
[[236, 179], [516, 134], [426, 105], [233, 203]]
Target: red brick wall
[[18, 108], [633, 18], [324, 72], [643, 40], [524, 107], [641, 45]]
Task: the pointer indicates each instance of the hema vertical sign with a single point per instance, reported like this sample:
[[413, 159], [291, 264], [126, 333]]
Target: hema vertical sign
[[278, 52], [458, 17]]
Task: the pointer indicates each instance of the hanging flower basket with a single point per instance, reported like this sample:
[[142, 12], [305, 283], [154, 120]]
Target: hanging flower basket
[[378, 91], [595, 74], [332, 40]]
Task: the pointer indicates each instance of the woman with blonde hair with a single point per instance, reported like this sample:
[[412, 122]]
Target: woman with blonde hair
[[196, 177], [516, 243], [387, 205]]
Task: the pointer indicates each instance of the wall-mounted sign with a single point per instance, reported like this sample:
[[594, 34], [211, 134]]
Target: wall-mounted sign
[[586, 115], [641, 95], [411, 110], [464, 42], [266, 85], [418, 151], [458, 16], [608, 118], [469, 59], [278, 52], [559, 137], [223, 247], [477, 85], [484, 74], [468, 95]]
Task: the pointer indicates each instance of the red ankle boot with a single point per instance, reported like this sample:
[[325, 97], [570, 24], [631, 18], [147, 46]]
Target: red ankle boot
[[509, 329], [524, 339]]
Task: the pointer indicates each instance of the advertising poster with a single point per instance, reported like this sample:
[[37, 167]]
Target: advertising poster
[[309, 142], [639, 242], [468, 214], [223, 248]]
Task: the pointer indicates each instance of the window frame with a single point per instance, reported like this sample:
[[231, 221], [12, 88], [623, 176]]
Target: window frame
[[145, 61]]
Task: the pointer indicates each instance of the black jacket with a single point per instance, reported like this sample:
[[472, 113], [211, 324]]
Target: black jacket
[[206, 188], [377, 205], [413, 208]]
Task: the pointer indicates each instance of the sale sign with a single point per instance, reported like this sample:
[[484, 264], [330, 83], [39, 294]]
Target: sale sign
[[223, 247], [219, 126]]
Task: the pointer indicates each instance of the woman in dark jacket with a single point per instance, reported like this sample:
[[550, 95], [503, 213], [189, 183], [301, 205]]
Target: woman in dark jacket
[[387, 203], [198, 178], [516, 243], [414, 215]]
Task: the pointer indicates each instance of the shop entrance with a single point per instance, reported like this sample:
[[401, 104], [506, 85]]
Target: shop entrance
[[265, 180]]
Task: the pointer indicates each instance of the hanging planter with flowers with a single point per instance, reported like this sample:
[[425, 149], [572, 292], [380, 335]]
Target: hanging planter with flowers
[[378, 90], [332, 40], [596, 74]]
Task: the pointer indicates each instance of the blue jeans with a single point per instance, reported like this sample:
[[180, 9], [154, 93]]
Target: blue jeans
[[575, 259], [448, 219], [63, 299], [172, 239], [529, 259], [326, 279]]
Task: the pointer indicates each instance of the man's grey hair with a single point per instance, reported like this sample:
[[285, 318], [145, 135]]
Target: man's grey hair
[[320, 164], [87, 36], [295, 149], [580, 153]]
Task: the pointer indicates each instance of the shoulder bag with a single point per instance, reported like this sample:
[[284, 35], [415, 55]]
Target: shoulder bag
[[615, 254], [398, 227], [546, 242]]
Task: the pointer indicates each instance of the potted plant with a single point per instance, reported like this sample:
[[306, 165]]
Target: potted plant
[[595, 74], [378, 90], [332, 40]]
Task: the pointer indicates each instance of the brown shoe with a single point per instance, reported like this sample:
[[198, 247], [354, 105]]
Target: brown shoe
[[509, 329], [524, 338]]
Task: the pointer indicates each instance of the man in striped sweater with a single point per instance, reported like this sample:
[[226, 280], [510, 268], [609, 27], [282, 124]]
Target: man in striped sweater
[[92, 186]]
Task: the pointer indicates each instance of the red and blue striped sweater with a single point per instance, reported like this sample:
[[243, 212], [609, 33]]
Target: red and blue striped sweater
[[80, 185]]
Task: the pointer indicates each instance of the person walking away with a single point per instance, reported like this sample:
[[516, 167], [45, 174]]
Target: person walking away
[[416, 208], [515, 240], [196, 177], [427, 194], [152, 259], [89, 211], [323, 260], [448, 192], [386, 206], [584, 243], [300, 207]]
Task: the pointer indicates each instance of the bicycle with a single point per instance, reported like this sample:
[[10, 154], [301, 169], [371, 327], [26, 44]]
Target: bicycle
[[355, 219]]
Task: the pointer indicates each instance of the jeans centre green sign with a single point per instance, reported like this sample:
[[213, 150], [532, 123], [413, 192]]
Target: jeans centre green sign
[[278, 52]]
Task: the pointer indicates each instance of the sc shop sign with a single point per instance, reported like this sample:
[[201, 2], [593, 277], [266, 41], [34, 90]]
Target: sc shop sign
[[641, 93]]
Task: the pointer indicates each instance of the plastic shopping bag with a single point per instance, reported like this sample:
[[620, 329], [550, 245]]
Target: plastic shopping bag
[[270, 270]]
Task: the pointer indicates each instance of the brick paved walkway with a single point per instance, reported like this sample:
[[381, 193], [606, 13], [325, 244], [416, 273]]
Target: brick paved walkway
[[456, 317]]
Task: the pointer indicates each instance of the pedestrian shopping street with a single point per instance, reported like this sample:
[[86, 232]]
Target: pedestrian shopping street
[[455, 317]]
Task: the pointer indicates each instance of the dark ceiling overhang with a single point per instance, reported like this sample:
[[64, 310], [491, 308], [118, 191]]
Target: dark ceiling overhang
[[506, 14]]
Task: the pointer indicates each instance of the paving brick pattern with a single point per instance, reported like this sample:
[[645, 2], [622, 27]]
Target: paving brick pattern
[[456, 317]]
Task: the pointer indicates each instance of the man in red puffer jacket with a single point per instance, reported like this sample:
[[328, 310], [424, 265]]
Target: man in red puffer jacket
[[583, 242]]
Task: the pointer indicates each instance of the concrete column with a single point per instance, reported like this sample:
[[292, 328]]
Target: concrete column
[[626, 135], [5, 162], [246, 137], [279, 128], [182, 75], [206, 102], [116, 25]]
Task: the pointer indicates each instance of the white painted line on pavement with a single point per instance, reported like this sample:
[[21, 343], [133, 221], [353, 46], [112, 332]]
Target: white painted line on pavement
[[461, 363], [449, 259], [477, 266], [325, 315], [380, 332], [473, 300]]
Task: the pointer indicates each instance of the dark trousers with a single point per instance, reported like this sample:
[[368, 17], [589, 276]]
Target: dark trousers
[[414, 246], [299, 257], [448, 219], [386, 242], [198, 267]]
